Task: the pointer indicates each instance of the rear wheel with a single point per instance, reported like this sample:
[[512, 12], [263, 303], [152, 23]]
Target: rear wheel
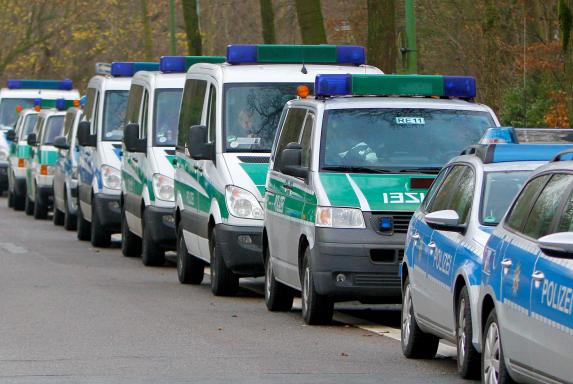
[[493, 369], [278, 297], [317, 309], [223, 281], [83, 226], [468, 358], [40, 209], [190, 269], [100, 237], [151, 253], [70, 221], [130, 243]]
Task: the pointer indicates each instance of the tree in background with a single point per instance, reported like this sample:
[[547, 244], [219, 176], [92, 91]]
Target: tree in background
[[382, 47], [194, 43], [310, 21], [565, 13], [268, 21], [147, 42]]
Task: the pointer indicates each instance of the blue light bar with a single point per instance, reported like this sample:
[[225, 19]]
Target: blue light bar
[[128, 69], [499, 135], [64, 85], [460, 86], [335, 84], [527, 152], [351, 54], [241, 54], [284, 53], [60, 104]]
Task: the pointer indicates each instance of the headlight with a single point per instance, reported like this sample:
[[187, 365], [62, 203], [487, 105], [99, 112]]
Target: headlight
[[3, 155], [339, 217], [242, 203], [163, 187], [111, 177]]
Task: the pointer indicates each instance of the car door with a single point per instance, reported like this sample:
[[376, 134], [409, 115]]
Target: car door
[[86, 166]]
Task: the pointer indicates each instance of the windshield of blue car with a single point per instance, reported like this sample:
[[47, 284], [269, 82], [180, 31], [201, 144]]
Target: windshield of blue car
[[28, 125], [498, 192], [401, 139], [54, 128], [114, 114], [166, 119], [8, 114]]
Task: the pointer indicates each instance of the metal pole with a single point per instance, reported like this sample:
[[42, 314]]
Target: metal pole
[[172, 27], [411, 50]]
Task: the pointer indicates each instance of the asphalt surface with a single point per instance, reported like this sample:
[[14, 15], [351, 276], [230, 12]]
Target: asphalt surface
[[70, 313]]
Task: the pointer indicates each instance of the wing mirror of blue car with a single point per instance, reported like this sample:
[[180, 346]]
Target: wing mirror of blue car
[[85, 137], [446, 220], [11, 135], [31, 139], [131, 139], [61, 142], [199, 147], [557, 244], [291, 161]]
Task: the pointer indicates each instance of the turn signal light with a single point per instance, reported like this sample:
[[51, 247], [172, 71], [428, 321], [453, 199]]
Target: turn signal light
[[21, 163], [43, 169], [302, 91]]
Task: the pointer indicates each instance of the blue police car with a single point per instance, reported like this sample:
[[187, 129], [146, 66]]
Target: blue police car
[[441, 271], [525, 303]]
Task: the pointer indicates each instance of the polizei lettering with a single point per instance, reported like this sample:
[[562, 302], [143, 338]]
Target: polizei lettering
[[403, 197], [557, 296], [442, 261]]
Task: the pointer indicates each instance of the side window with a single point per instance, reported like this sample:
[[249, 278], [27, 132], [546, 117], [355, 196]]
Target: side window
[[566, 219], [463, 195], [68, 124], [290, 131], [191, 108], [546, 207], [93, 128], [520, 210], [306, 138], [441, 199], [133, 104], [435, 187], [144, 115], [212, 121], [90, 103]]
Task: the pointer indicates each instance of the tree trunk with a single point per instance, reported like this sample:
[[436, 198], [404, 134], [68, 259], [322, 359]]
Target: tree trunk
[[192, 27], [268, 21], [310, 21], [147, 42], [565, 10], [382, 49]]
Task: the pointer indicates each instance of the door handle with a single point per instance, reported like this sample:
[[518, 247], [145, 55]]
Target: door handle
[[416, 236], [538, 275], [506, 263], [286, 186], [432, 246], [135, 160]]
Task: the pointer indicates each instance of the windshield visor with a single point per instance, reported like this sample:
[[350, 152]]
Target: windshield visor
[[167, 104]]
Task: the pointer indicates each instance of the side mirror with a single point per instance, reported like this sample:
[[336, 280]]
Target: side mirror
[[557, 244], [131, 139], [291, 161], [32, 139], [61, 142], [447, 220], [85, 138], [11, 135], [197, 144]]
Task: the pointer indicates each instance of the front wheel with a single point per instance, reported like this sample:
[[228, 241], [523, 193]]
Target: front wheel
[[29, 206], [40, 209], [493, 369], [83, 226], [10, 198], [223, 281], [100, 237], [130, 243], [19, 200], [278, 297], [317, 309], [70, 221], [58, 217], [190, 269], [468, 357], [151, 253]]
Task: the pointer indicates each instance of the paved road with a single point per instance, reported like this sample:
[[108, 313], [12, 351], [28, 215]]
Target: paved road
[[70, 313]]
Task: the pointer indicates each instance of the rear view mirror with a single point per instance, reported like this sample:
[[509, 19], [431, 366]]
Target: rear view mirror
[[557, 244], [131, 139], [85, 138], [199, 148], [291, 161], [32, 139], [11, 135], [61, 142], [447, 220]]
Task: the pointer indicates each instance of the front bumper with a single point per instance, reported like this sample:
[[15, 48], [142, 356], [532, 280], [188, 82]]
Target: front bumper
[[108, 209], [357, 264], [241, 248], [161, 221]]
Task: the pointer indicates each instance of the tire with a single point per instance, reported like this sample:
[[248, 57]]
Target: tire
[[19, 201], [83, 226], [316, 309], [416, 344], [492, 353], [130, 243], [99, 236], [190, 269], [278, 297], [40, 210], [10, 198], [58, 217], [70, 221], [469, 360], [29, 206], [223, 281], [152, 255]]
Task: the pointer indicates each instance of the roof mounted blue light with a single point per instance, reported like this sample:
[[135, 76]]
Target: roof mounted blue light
[[241, 54], [499, 135], [283, 53], [128, 69], [351, 54], [527, 152], [64, 85], [460, 86], [333, 84], [60, 104]]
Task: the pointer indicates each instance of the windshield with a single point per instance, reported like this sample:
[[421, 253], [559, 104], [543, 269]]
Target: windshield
[[398, 139], [499, 190], [54, 128], [166, 110], [252, 113], [8, 114], [114, 114], [28, 125]]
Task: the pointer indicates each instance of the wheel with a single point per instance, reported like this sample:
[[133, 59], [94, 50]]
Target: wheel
[[83, 226], [130, 243], [100, 237], [29, 206], [316, 309], [416, 344], [493, 369], [190, 269], [40, 210], [151, 253], [223, 281], [58, 217], [468, 358], [70, 221], [278, 297], [19, 201], [10, 199]]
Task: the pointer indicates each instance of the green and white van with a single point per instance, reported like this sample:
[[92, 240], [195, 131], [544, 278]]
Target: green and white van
[[348, 169], [147, 191], [229, 115]]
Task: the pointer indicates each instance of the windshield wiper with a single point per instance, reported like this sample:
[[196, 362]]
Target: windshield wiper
[[428, 170], [355, 169]]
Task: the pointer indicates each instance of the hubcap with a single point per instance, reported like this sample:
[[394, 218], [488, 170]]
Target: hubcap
[[461, 333], [492, 352], [406, 315], [305, 288]]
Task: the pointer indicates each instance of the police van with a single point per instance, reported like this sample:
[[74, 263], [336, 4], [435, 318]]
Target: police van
[[229, 115], [24, 94], [348, 169], [66, 171], [43, 158], [99, 137], [525, 303], [147, 192]]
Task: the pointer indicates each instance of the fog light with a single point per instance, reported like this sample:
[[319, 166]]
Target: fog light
[[245, 239], [113, 205], [169, 220], [340, 278]]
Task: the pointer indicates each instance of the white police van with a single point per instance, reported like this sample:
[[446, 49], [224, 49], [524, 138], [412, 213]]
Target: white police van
[[525, 305], [66, 172], [229, 115], [348, 169], [24, 94], [99, 136], [147, 192]]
